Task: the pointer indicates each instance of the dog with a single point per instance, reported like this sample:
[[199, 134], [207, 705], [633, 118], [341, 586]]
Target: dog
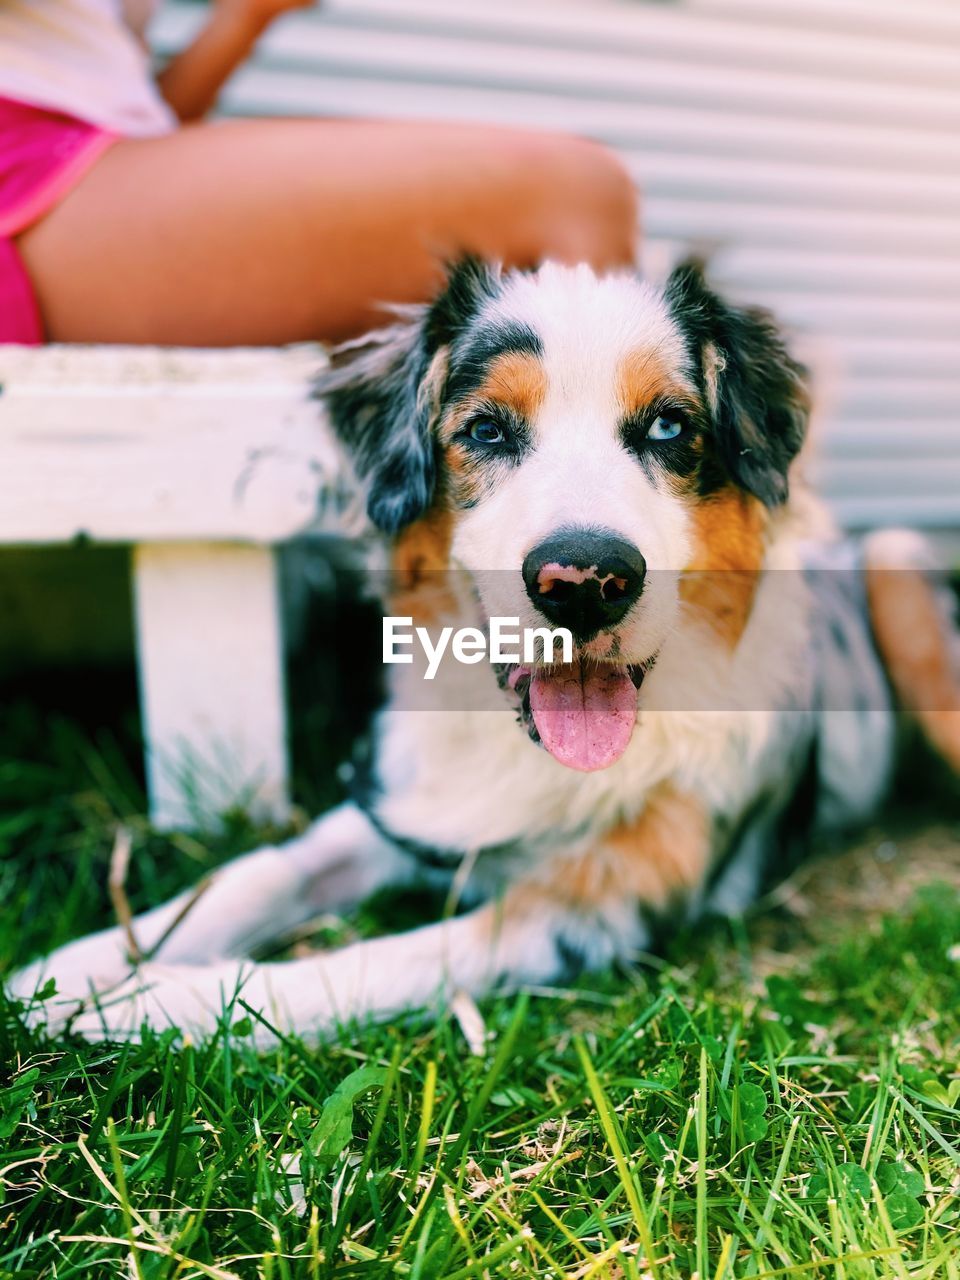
[[622, 463]]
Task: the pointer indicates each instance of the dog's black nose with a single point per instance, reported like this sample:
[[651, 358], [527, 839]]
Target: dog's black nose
[[584, 579]]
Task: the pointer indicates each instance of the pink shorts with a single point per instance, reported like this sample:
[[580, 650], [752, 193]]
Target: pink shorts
[[43, 154]]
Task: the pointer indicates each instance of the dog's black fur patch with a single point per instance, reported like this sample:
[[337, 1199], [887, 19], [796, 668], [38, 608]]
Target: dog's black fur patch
[[762, 407], [478, 350], [380, 407]]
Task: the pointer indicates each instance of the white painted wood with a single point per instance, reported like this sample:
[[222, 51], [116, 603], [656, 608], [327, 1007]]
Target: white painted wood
[[202, 460], [900, 398], [817, 186], [917, 276], [624, 27], [211, 681], [672, 125], [145, 444], [637, 75], [923, 19]]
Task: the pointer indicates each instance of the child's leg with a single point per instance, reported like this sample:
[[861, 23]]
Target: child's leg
[[272, 231]]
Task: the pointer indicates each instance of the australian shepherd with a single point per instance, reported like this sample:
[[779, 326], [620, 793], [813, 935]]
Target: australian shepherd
[[619, 462]]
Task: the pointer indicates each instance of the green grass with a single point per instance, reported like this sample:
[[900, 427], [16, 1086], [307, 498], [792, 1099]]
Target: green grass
[[685, 1119]]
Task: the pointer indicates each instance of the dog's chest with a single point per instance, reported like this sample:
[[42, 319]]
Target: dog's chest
[[472, 780], [459, 776]]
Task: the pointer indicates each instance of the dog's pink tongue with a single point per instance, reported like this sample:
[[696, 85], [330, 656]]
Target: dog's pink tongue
[[585, 716]]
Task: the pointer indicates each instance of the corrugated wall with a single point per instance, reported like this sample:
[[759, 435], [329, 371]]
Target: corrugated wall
[[812, 145]]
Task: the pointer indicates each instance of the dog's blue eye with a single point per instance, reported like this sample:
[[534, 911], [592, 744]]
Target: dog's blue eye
[[665, 428], [484, 431]]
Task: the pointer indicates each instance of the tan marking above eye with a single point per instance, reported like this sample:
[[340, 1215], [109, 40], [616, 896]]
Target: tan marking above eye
[[518, 380], [515, 379], [644, 377]]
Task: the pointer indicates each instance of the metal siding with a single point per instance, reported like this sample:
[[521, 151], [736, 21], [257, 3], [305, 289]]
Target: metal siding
[[813, 145]]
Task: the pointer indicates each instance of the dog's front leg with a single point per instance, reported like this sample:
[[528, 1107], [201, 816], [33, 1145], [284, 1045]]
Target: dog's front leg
[[580, 911], [247, 903]]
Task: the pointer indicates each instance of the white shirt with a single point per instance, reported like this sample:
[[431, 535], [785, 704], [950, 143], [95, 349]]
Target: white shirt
[[86, 58]]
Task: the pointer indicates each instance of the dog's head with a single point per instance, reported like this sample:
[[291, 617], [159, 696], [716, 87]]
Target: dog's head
[[579, 444]]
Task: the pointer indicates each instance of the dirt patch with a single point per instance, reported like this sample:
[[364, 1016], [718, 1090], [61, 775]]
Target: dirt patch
[[877, 874]]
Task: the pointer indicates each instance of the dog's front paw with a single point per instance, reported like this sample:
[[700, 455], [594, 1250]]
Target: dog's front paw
[[54, 987], [196, 999]]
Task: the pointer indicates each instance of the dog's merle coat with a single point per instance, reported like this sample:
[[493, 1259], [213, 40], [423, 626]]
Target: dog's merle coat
[[745, 695]]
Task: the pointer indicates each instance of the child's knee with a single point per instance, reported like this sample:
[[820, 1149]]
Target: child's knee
[[588, 201]]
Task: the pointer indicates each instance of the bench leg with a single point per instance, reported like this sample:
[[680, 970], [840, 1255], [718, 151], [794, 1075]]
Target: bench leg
[[210, 656]]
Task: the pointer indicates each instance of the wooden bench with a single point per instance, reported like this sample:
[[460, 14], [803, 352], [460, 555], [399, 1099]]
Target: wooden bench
[[203, 463]]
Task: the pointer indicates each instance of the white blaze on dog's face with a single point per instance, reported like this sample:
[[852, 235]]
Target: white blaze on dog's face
[[579, 444], [566, 368]]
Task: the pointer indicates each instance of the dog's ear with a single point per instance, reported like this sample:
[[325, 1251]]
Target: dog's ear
[[381, 398], [384, 392], [756, 392]]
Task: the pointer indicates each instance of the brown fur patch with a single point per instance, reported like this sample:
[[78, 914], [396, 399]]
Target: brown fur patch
[[420, 586], [643, 377], [721, 578], [915, 646], [515, 380], [660, 856], [463, 481]]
